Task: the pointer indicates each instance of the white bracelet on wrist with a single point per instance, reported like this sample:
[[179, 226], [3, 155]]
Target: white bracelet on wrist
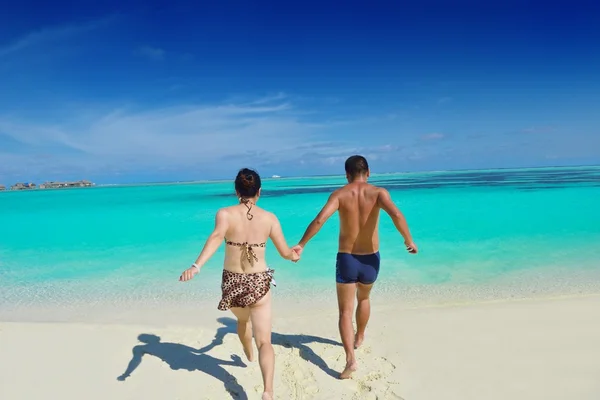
[[197, 267]]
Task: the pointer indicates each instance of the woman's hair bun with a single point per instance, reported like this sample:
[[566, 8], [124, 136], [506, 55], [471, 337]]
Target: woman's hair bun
[[247, 183], [247, 180]]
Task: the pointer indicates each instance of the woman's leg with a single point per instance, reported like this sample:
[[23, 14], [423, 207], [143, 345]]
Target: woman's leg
[[244, 330], [260, 314]]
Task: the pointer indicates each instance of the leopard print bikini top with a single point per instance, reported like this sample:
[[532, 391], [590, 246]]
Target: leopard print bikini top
[[246, 247]]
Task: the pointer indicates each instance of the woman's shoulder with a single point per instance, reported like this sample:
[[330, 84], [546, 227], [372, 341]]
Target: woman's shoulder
[[258, 211], [268, 215], [263, 211], [224, 212], [263, 214]]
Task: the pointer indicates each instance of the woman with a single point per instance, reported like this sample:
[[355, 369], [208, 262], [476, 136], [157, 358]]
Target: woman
[[246, 278]]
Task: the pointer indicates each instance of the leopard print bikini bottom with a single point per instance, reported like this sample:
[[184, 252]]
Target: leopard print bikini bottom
[[243, 290]]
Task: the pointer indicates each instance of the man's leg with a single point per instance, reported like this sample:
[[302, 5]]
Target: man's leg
[[363, 312], [346, 293]]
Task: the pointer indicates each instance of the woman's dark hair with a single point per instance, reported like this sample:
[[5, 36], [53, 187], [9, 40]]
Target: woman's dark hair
[[247, 183]]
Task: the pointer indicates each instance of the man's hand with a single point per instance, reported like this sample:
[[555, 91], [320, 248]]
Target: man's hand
[[295, 256], [297, 249], [411, 247], [188, 274]]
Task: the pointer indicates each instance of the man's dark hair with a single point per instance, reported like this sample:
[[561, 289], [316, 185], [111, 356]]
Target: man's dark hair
[[356, 165]]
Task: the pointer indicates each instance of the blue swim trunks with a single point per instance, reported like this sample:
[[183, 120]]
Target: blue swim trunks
[[353, 268]]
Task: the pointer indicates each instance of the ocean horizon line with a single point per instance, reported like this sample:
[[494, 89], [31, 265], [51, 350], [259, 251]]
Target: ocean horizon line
[[292, 177]]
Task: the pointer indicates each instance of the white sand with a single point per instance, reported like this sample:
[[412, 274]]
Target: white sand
[[535, 349]]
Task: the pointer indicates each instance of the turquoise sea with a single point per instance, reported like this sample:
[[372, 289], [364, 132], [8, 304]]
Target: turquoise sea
[[473, 228]]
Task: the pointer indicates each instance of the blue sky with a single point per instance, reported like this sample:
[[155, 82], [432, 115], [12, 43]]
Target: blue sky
[[155, 91]]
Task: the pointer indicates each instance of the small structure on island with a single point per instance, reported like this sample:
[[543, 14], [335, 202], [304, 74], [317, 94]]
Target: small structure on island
[[50, 185], [57, 185], [23, 186], [2, 187]]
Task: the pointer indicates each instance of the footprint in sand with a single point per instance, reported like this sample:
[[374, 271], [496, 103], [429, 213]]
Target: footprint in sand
[[298, 378], [385, 369], [374, 385]]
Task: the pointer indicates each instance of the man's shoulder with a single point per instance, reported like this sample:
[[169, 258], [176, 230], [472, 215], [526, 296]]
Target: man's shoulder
[[378, 191], [338, 191], [369, 187], [348, 188]]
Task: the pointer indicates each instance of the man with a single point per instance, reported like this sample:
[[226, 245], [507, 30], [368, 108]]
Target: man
[[357, 264]]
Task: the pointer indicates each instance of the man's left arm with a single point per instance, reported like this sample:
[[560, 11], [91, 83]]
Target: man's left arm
[[327, 211]]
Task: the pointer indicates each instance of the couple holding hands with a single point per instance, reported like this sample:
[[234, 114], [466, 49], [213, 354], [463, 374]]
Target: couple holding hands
[[246, 281]]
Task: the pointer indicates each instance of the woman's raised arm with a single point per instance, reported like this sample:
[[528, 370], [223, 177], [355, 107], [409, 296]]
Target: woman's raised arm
[[210, 246]]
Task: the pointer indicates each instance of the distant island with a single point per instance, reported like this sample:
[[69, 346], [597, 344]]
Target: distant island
[[48, 185]]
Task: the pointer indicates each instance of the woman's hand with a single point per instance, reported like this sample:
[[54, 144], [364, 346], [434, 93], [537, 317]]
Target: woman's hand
[[188, 274], [297, 249], [295, 256], [411, 247]]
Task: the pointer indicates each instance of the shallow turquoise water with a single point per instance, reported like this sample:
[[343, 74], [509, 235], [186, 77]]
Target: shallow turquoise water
[[472, 227]]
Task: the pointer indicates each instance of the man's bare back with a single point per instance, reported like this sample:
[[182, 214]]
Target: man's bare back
[[359, 218], [358, 204]]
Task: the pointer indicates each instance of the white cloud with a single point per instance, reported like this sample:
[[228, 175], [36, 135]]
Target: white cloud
[[538, 129], [433, 136], [207, 138], [173, 137], [45, 35], [153, 53]]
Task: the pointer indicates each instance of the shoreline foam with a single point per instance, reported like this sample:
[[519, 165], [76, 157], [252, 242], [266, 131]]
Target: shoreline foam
[[58, 304]]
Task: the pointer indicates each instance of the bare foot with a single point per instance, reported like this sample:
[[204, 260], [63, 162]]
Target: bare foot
[[350, 368], [358, 340], [267, 396]]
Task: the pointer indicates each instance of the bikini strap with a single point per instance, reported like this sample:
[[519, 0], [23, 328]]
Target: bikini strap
[[229, 242], [247, 248], [248, 205]]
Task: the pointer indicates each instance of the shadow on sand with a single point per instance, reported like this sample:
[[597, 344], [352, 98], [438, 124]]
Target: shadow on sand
[[179, 356], [290, 341]]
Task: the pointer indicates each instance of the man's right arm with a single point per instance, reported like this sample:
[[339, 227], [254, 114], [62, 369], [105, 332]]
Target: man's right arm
[[327, 211], [385, 202]]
